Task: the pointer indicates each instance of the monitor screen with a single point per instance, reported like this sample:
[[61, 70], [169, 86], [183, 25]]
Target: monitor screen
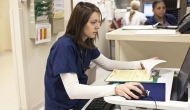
[[188, 3], [183, 76], [148, 10]]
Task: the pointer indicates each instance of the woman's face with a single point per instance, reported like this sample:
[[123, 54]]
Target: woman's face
[[159, 9], [92, 26]]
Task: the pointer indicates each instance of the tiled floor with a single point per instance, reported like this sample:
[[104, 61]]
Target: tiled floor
[[8, 96]]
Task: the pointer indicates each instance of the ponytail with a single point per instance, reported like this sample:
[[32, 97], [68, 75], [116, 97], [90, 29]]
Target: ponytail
[[132, 12]]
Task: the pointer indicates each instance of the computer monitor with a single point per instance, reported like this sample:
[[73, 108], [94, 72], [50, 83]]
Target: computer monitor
[[148, 10], [188, 3], [183, 77]]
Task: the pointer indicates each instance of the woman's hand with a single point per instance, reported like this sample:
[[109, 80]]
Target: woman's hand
[[154, 58], [125, 89]]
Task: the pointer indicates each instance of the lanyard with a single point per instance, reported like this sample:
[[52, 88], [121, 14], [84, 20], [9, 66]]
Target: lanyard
[[82, 59]]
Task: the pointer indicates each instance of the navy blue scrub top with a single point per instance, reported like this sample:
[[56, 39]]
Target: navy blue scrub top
[[64, 57], [169, 18]]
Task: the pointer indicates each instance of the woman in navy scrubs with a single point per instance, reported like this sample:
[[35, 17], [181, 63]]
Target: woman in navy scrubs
[[159, 10], [69, 58]]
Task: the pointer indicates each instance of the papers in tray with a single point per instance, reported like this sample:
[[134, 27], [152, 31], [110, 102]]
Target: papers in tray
[[156, 32], [146, 27], [134, 75]]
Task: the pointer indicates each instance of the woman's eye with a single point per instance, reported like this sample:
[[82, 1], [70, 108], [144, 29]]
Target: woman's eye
[[93, 22]]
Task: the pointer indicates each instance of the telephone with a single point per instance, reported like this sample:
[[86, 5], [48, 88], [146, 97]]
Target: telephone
[[184, 24]]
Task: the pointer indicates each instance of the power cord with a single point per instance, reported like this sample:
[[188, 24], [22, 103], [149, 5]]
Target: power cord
[[154, 101]]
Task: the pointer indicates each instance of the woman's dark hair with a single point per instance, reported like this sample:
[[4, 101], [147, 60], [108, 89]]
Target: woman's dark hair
[[78, 19], [156, 2]]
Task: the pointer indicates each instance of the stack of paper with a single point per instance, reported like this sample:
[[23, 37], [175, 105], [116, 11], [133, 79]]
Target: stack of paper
[[129, 75], [156, 32], [146, 27], [58, 9], [134, 75]]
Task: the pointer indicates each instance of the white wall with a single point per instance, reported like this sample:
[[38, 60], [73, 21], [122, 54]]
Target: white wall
[[29, 59], [5, 37]]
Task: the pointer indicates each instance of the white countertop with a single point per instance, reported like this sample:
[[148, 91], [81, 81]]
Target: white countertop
[[130, 35]]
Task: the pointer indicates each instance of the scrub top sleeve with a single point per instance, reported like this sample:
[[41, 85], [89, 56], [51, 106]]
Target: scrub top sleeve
[[64, 60], [95, 53]]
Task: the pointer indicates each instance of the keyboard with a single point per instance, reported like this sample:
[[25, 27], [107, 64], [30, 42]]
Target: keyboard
[[100, 104]]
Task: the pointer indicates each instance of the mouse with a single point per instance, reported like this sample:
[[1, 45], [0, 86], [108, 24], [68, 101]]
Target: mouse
[[141, 96]]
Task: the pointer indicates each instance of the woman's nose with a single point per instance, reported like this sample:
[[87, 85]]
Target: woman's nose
[[98, 26]]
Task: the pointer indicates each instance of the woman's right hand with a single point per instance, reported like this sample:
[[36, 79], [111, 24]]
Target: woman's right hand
[[125, 89]]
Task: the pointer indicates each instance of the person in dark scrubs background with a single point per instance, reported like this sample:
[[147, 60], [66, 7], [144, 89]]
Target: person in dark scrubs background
[[159, 10], [65, 79]]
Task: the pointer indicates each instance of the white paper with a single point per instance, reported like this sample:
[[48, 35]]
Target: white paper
[[87, 0], [58, 1], [156, 32], [41, 18], [58, 10], [58, 6], [95, 2], [103, 11], [138, 27], [108, 4], [108, 10], [150, 63], [109, 14], [75, 2]]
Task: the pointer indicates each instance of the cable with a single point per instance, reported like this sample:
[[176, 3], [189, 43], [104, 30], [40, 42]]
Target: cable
[[154, 101]]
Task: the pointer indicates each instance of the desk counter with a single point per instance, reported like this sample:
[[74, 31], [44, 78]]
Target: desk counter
[[167, 78], [129, 35], [130, 46]]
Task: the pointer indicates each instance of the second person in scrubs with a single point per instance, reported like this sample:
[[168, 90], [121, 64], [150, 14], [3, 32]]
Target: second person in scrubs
[[159, 10]]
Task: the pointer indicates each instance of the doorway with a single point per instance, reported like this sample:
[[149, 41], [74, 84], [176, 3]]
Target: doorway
[[8, 94]]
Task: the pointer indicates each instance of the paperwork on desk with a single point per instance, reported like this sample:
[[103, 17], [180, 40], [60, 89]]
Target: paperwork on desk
[[156, 32], [150, 63], [145, 27], [134, 75]]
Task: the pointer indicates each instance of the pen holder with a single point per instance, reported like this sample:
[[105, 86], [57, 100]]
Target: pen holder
[[155, 75]]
